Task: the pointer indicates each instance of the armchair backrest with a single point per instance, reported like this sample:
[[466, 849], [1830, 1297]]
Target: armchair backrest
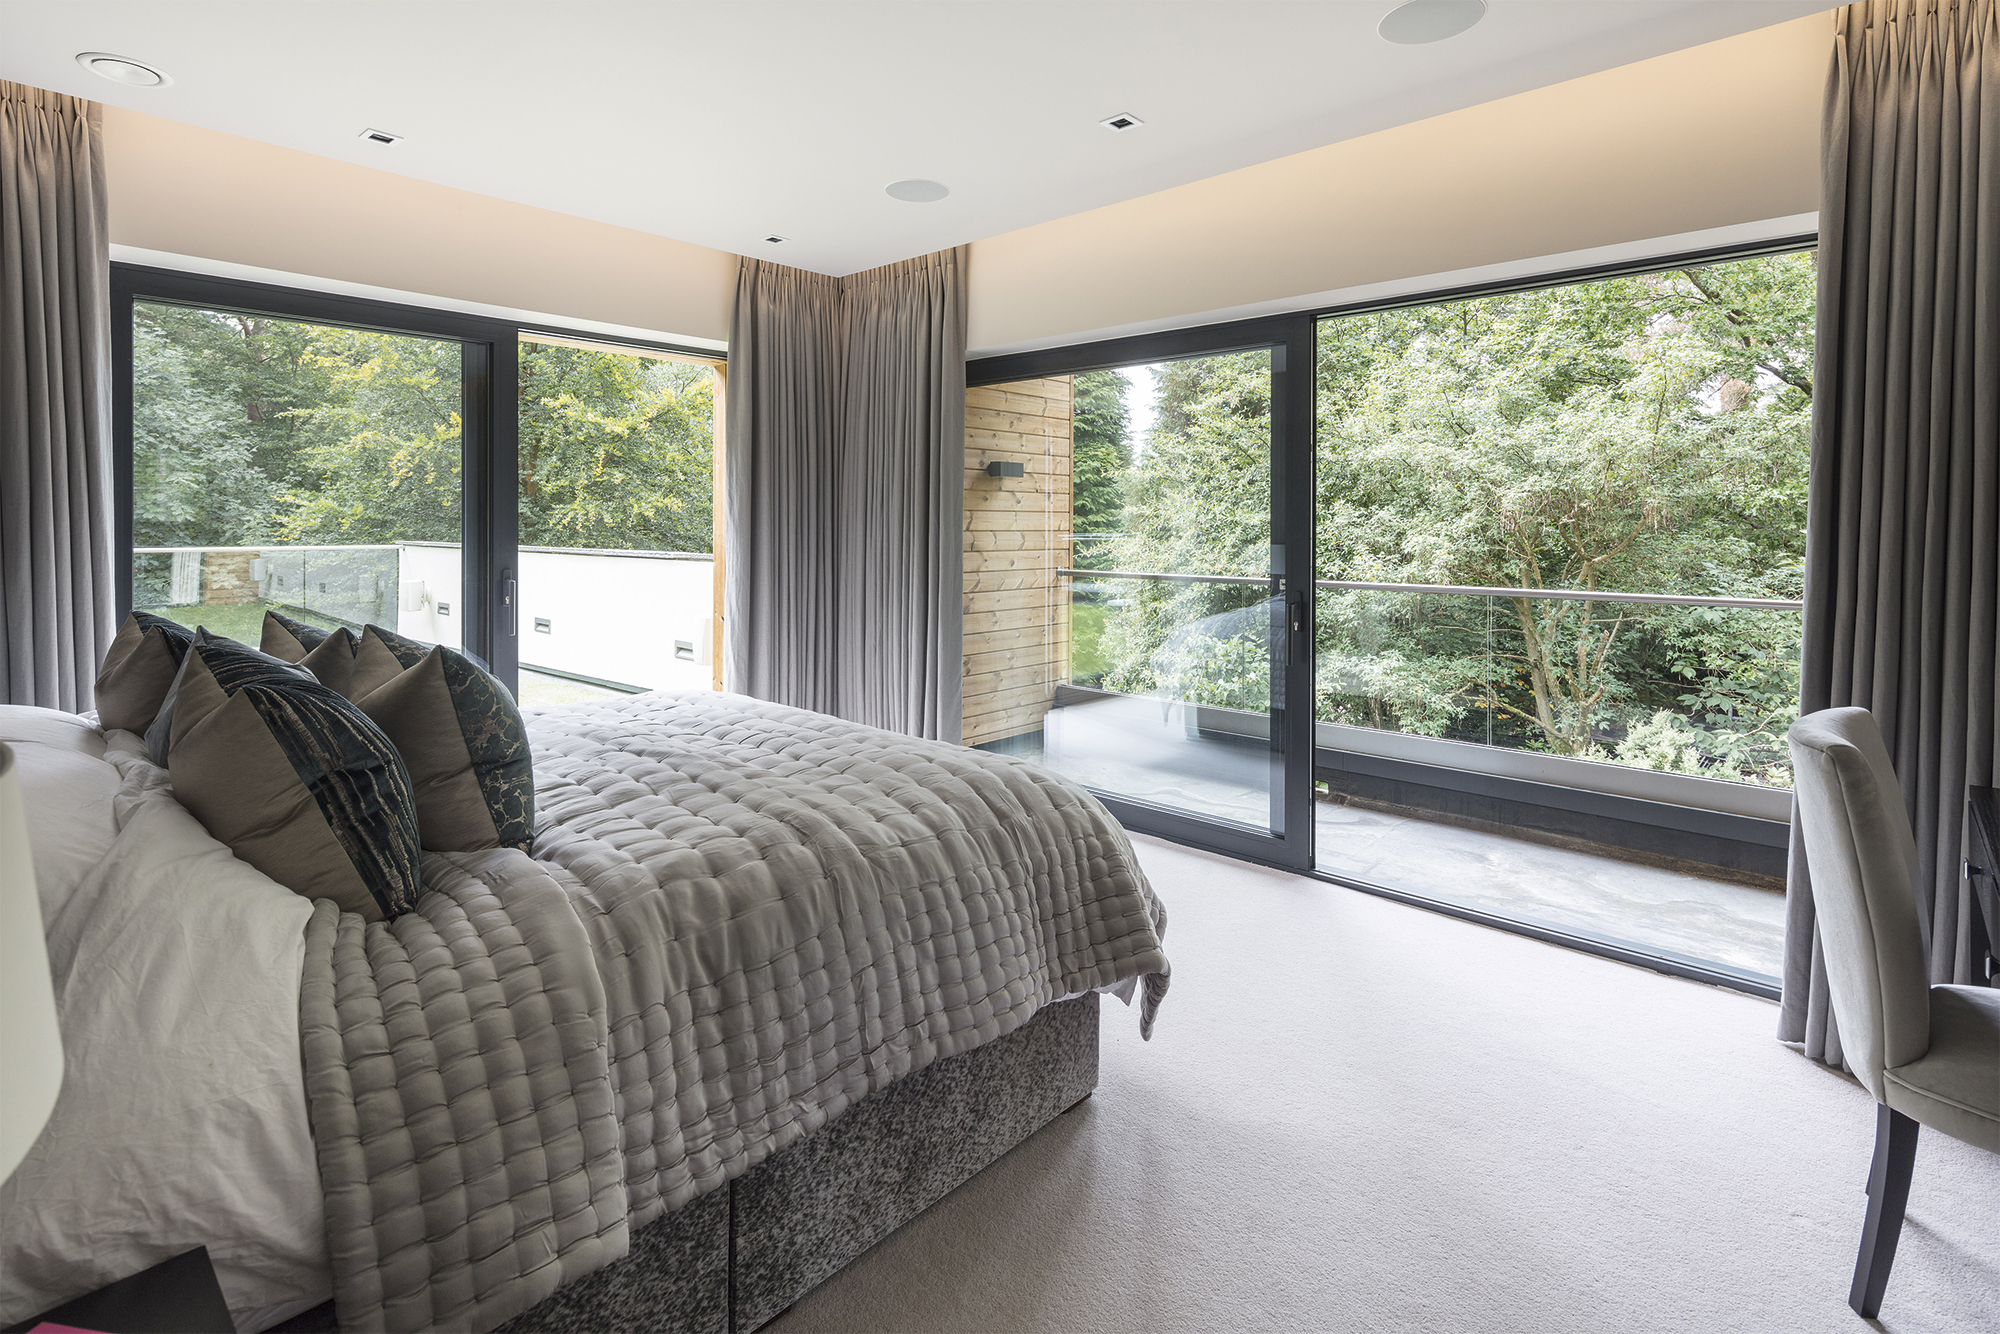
[[1862, 860]]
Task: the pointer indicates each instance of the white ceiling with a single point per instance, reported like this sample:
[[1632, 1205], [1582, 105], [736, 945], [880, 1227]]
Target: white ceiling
[[718, 123]]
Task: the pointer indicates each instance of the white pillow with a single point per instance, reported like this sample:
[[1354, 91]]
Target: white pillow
[[67, 788]]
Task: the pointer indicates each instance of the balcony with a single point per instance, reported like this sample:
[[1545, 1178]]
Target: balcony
[[1167, 700]]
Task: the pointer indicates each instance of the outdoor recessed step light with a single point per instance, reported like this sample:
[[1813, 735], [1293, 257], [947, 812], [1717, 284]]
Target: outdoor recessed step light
[[122, 69]]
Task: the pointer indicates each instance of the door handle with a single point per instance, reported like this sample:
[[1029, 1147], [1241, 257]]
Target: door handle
[[510, 602]]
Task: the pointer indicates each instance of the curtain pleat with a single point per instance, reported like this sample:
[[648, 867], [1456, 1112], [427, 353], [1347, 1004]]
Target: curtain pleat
[[845, 482], [1903, 549], [56, 577]]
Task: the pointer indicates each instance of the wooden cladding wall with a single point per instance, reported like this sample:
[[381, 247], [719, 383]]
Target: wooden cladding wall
[[1017, 532]]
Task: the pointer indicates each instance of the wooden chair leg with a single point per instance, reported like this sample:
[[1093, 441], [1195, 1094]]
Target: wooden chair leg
[[1888, 1192]]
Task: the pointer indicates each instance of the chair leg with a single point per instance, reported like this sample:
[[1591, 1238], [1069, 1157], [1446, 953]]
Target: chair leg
[[1888, 1192]]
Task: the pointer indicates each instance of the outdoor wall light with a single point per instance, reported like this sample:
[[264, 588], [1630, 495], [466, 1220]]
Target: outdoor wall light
[[122, 69], [998, 469]]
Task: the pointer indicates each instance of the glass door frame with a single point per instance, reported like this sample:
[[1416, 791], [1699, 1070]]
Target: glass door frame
[[1289, 339]]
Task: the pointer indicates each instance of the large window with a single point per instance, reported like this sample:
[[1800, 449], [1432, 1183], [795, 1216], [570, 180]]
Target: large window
[[1560, 537], [518, 494], [1549, 608], [302, 468]]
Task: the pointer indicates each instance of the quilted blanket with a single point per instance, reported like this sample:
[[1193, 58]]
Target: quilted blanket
[[737, 920]]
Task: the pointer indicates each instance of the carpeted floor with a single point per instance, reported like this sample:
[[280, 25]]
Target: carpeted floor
[[1361, 1116]]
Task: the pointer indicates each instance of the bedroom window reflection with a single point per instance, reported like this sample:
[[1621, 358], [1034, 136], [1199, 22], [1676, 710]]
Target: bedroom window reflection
[[305, 468]]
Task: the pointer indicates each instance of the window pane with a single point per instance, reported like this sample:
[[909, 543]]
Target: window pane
[[1121, 619], [1561, 538], [295, 467], [617, 483]]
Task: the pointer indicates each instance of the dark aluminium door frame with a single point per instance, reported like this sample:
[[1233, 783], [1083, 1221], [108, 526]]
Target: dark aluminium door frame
[[1293, 454], [489, 442], [1290, 341]]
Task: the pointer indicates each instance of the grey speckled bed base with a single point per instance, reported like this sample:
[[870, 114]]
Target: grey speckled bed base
[[735, 1258]]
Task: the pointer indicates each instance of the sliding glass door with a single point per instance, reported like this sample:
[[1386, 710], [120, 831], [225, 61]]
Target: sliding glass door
[[1129, 618]]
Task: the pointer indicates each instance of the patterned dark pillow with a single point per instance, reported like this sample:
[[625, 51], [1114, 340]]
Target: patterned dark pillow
[[463, 740], [139, 670], [298, 782], [233, 665], [291, 640]]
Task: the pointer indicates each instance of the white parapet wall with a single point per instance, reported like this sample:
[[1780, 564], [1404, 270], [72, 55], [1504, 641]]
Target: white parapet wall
[[622, 616], [625, 616]]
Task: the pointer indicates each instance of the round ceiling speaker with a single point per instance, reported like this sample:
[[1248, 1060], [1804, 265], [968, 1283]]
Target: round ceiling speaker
[[917, 192], [1422, 21]]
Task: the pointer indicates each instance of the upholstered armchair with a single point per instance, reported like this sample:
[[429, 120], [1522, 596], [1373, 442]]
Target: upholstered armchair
[[1929, 1054]]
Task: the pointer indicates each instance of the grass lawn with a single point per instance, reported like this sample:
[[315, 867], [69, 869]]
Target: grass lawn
[[243, 622]]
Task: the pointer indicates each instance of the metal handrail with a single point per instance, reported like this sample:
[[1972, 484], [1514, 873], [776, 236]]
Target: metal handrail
[[1471, 590]]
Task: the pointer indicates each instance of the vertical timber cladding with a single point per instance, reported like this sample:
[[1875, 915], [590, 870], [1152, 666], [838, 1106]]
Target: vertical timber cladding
[[1017, 534]]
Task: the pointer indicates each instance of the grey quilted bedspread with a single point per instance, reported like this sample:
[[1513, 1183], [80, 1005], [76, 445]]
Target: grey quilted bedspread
[[738, 919]]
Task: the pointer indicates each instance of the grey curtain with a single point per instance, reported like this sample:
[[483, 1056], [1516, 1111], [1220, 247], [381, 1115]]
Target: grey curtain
[[1904, 543], [56, 592], [845, 483], [786, 412]]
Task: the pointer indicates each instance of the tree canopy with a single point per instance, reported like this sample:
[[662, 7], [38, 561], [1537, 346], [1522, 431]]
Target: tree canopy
[[252, 431], [1636, 434]]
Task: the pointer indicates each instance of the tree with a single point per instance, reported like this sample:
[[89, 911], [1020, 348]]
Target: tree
[[1641, 434], [616, 451], [1101, 454], [1645, 434]]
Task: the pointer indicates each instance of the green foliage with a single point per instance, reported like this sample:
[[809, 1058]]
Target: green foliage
[[250, 431], [1100, 425], [616, 451], [1643, 434]]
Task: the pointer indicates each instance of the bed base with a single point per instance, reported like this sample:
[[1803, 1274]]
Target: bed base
[[734, 1259]]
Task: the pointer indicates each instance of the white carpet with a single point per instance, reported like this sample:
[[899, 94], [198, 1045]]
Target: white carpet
[[1357, 1115]]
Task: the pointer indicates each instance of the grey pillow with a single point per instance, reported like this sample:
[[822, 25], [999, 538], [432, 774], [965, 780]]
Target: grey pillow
[[139, 669], [462, 737], [297, 782]]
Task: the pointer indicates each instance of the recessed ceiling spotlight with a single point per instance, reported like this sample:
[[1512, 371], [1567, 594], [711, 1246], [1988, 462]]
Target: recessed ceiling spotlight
[[1421, 21], [122, 69], [382, 137], [1121, 122], [917, 192]]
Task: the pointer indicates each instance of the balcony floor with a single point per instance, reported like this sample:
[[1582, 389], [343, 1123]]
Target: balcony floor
[[1659, 911]]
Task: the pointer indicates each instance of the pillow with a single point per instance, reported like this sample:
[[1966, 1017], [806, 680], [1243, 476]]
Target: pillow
[[380, 656], [289, 639], [297, 782], [233, 665], [139, 669], [462, 737]]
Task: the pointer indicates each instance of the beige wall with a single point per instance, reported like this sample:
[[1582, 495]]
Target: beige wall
[[189, 191], [1709, 137]]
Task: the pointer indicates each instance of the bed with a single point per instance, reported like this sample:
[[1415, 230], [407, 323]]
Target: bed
[[766, 985]]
